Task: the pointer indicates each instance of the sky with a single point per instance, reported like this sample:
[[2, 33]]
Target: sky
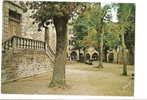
[[113, 11]]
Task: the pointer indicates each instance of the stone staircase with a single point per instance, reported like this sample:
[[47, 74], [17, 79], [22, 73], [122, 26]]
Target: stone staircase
[[23, 57]]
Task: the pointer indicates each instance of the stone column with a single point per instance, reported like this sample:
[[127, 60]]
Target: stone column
[[107, 57], [77, 54], [13, 42]]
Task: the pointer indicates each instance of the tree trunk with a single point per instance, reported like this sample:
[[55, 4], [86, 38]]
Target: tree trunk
[[46, 35], [131, 55], [124, 56], [133, 50], [84, 55], [79, 54], [58, 78], [101, 51]]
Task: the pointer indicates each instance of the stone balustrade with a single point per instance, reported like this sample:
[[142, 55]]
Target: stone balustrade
[[17, 43], [20, 42]]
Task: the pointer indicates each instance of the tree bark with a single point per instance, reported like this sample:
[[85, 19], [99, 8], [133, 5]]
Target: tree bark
[[101, 51], [84, 54], [58, 78], [131, 55], [46, 35], [124, 56], [79, 54]]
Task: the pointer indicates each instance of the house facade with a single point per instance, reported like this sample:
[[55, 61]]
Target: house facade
[[24, 52]]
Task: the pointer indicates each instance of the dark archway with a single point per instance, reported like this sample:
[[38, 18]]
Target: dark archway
[[73, 56], [87, 56], [88, 60], [95, 57]]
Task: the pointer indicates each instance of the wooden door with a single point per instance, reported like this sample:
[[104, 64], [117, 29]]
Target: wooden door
[[14, 28]]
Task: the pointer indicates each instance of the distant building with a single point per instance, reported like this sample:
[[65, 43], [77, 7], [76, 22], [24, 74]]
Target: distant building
[[78, 54]]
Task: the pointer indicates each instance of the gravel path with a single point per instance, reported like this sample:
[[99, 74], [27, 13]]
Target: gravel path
[[81, 79]]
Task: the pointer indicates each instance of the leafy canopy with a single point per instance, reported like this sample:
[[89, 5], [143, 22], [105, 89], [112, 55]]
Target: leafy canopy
[[88, 26], [44, 12], [126, 16]]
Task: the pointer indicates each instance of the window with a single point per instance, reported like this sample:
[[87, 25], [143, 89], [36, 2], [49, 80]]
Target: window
[[14, 16], [14, 23]]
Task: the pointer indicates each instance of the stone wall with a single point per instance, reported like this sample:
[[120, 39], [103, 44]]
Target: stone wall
[[30, 30], [23, 63], [7, 5]]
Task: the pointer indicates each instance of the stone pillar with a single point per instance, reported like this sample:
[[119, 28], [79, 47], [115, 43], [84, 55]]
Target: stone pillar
[[14, 42], [107, 57], [78, 54]]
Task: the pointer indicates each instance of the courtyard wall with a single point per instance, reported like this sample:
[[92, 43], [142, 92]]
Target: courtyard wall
[[24, 63]]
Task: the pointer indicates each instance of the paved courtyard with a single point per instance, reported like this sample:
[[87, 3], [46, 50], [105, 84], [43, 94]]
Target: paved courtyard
[[81, 79]]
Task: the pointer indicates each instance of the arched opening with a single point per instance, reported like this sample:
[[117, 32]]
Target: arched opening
[[95, 57], [88, 60], [87, 56], [73, 56]]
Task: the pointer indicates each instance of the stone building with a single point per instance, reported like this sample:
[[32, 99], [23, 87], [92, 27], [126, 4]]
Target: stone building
[[115, 56], [76, 54], [12, 20], [24, 50]]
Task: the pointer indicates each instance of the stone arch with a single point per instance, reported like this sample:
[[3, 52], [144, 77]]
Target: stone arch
[[87, 56], [95, 56], [73, 55]]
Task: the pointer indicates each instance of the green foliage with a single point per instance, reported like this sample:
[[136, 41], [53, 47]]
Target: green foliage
[[91, 39], [44, 12], [80, 27], [89, 25], [126, 16], [111, 35]]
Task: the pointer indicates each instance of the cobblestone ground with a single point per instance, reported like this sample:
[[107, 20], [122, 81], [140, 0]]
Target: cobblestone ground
[[82, 79]]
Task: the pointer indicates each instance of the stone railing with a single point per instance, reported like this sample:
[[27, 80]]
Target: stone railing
[[20, 42], [7, 45], [17, 42]]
